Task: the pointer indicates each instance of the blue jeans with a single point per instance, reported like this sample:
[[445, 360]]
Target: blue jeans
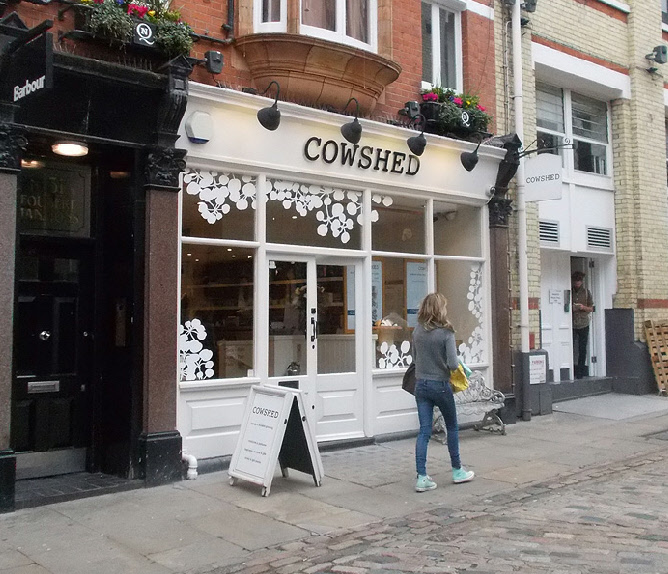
[[427, 395]]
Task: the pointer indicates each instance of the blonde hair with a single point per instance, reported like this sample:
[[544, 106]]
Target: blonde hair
[[433, 312]]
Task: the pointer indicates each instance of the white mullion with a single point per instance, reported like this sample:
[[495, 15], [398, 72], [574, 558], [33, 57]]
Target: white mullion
[[429, 244], [435, 45], [340, 24], [261, 301]]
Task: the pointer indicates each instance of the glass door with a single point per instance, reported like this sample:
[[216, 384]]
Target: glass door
[[313, 341]]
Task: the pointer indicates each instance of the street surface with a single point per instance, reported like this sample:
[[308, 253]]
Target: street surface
[[611, 519]]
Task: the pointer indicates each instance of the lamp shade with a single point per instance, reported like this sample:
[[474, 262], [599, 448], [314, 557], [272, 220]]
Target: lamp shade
[[469, 159], [269, 118], [352, 131], [417, 144]]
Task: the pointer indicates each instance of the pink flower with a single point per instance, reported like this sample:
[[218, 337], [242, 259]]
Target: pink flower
[[429, 97], [136, 10], [458, 101], [481, 108]]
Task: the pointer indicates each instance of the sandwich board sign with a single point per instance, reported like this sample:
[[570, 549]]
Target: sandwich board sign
[[274, 429]]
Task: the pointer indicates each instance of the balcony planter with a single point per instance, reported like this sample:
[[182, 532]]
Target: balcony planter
[[453, 115], [129, 25]]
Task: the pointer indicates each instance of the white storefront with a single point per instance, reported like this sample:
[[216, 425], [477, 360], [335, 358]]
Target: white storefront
[[304, 259]]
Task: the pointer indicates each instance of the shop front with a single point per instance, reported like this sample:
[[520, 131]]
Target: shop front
[[304, 259], [88, 175]]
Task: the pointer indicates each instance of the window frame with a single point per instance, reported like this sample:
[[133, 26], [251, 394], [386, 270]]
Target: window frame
[[455, 7], [567, 154], [339, 36]]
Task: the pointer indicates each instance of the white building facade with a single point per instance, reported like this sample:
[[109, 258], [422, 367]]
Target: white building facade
[[304, 259]]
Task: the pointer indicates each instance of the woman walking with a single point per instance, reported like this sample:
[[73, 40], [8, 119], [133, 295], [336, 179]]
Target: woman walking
[[435, 355]]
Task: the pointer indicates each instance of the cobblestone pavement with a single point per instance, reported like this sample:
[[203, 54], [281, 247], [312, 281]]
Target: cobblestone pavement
[[608, 519]]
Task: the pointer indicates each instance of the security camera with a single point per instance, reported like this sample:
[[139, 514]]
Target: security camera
[[658, 55]]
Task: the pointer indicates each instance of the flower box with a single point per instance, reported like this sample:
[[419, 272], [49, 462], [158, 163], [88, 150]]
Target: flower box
[[125, 24], [453, 115]]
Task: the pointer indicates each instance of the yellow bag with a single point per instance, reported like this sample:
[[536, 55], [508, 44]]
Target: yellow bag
[[458, 380]]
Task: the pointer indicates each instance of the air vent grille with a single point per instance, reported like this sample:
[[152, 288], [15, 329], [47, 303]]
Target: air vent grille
[[599, 239], [549, 232]]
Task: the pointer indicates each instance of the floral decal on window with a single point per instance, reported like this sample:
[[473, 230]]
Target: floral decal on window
[[472, 350], [219, 191], [337, 210], [195, 361], [392, 358]]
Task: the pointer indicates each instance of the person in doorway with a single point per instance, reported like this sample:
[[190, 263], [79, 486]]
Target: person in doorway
[[435, 355], [583, 305]]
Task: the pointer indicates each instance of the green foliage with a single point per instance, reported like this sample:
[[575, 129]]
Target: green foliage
[[115, 20], [108, 21], [174, 38]]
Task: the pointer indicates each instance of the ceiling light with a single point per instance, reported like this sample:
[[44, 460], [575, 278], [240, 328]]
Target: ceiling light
[[70, 148], [31, 163]]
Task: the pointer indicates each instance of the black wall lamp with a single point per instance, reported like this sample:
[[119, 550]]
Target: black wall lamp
[[417, 143], [270, 117], [352, 131]]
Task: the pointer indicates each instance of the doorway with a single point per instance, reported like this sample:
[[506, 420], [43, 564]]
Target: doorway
[[50, 429], [313, 342]]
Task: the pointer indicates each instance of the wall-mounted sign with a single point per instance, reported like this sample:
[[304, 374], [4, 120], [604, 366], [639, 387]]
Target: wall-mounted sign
[[537, 369], [361, 157], [543, 177], [376, 290], [144, 34], [30, 70], [55, 200]]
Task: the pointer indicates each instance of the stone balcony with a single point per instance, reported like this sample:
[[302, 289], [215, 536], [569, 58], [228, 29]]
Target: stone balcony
[[316, 72]]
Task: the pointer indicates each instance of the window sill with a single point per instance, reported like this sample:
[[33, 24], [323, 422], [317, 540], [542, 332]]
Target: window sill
[[317, 72]]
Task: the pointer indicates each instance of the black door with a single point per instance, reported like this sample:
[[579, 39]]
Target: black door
[[54, 348]]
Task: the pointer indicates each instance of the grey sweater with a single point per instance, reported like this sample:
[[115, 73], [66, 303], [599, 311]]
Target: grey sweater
[[434, 353]]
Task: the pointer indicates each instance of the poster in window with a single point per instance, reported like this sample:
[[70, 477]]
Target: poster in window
[[376, 290], [350, 298], [416, 289]]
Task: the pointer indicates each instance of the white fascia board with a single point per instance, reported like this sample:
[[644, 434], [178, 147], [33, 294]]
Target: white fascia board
[[585, 77], [480, 9]]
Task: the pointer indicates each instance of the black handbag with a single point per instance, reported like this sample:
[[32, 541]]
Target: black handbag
[[408, 384]]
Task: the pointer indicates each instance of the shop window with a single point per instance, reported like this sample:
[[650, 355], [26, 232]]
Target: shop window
[[352, 22], [462, 284], [441, 44], [564, 115], [216, 331], [399, 226], [398, 285], [219, 205], [314, 215], [457, 230]]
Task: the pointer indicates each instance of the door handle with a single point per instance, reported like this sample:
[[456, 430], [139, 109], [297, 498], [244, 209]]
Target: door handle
[[314, 329], [45, 335]]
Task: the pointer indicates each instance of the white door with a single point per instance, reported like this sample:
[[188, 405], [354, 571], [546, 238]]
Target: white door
[[555, 305], [312, 342]]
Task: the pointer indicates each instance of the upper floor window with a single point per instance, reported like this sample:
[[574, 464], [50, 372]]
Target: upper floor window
[[352, 22], [664, 11], [564, 114], [441, 44]]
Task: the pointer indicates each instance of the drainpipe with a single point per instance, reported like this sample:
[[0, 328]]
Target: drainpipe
[[523, 271], [192, 465]]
